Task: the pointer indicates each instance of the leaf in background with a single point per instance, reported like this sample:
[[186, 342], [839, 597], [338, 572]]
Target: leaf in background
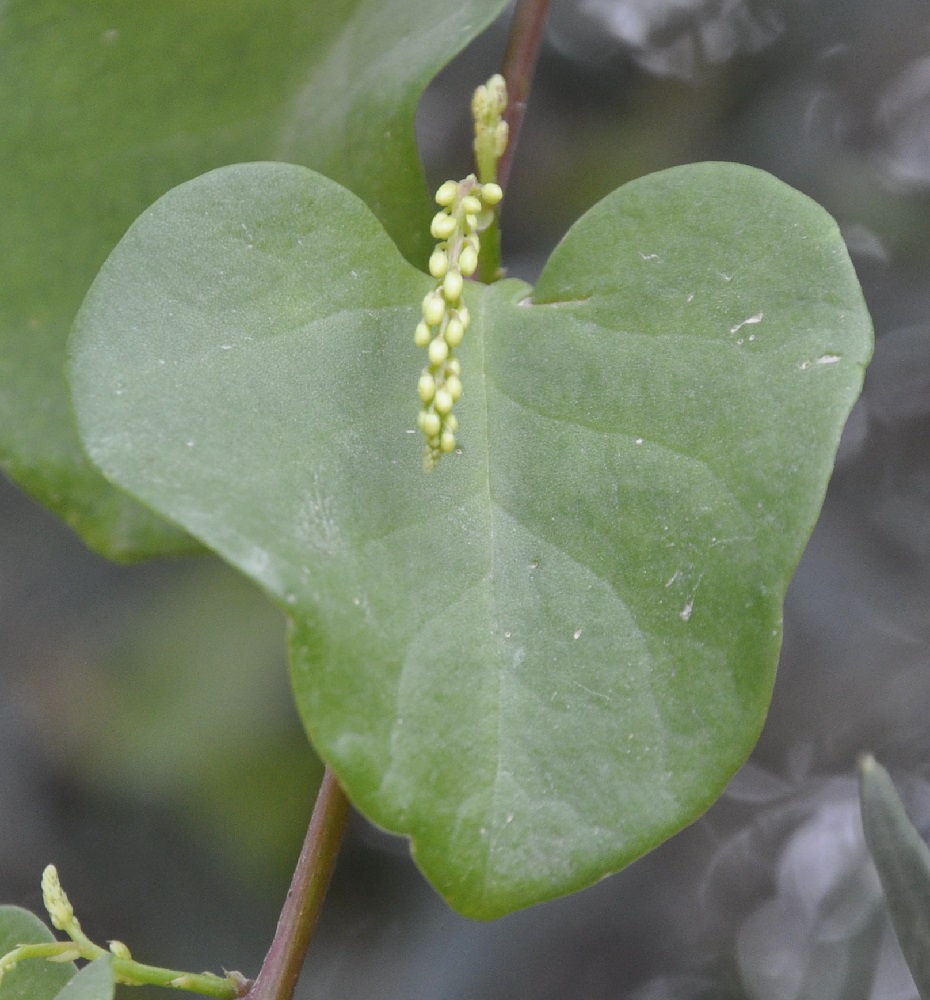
[[903, 862], [106, 104], [34, 979], [552, 653], [93, 982]]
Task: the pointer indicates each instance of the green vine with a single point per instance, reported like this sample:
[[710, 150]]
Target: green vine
[[125, 969]]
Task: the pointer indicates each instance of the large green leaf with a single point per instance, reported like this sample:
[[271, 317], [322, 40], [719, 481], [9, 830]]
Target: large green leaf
[[553, 652], [32, 979], [106, 104]]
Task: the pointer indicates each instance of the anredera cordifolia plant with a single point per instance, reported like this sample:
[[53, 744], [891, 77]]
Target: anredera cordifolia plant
[[116, 962], [550, 654]]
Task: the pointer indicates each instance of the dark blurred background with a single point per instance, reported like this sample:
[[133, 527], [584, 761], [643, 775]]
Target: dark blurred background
[[142, 707]]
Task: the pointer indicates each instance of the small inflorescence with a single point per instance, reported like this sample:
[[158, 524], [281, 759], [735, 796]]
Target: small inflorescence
[[491, 131], [466, 208], [125, 969]]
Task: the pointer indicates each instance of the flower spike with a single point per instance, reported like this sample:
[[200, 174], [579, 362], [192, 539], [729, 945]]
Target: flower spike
[[466, 209]]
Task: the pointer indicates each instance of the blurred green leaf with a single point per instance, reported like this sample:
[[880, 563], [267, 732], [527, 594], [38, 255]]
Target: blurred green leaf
[[33, 979], [93, 982], [106, 104], [552, 653], [903, 862]]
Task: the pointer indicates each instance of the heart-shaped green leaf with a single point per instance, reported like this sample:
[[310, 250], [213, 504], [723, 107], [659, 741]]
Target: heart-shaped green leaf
[[550, 654], [105, 106]]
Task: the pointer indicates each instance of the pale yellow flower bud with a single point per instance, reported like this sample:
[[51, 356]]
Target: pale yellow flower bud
[[454, 388], [429, 423], [452, 285], [471, 204], [501, 134], [491, 194], [426, 387], [454, 332], [438, 352], [468, 261], [442, 402], [445, 196], [497, 94], [438, 263], [434, 308], [442, 226]]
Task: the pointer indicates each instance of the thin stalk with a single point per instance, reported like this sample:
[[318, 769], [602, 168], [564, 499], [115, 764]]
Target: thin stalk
[[517, 69], [281, 968], [519, 65]]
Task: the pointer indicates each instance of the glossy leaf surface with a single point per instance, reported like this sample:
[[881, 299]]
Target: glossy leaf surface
[[33, 979], [106, 104], [552, 653]]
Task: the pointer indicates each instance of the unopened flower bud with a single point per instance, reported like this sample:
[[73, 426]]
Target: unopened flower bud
[[468, 261], [120, 950], [429, 423], [426, 387], [438, 263], [454, 332], [452, 285], [471, 204], [491, 194], [442, 226], [501, 134], [446, 193], [442, 402], [434, 308], [438, 351], [454, 388]]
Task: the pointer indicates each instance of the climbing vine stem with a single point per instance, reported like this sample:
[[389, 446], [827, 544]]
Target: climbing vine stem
[[519, 66], [281, 968]]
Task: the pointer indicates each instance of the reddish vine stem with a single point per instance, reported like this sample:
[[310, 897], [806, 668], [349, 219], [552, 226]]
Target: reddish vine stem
[[519, 65], [281, 968]]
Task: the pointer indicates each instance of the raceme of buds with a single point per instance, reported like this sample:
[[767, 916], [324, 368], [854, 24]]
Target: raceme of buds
[[465, 209], [487, 107]]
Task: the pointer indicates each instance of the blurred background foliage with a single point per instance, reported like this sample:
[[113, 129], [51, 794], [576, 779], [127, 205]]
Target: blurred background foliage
[[148, 745]]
